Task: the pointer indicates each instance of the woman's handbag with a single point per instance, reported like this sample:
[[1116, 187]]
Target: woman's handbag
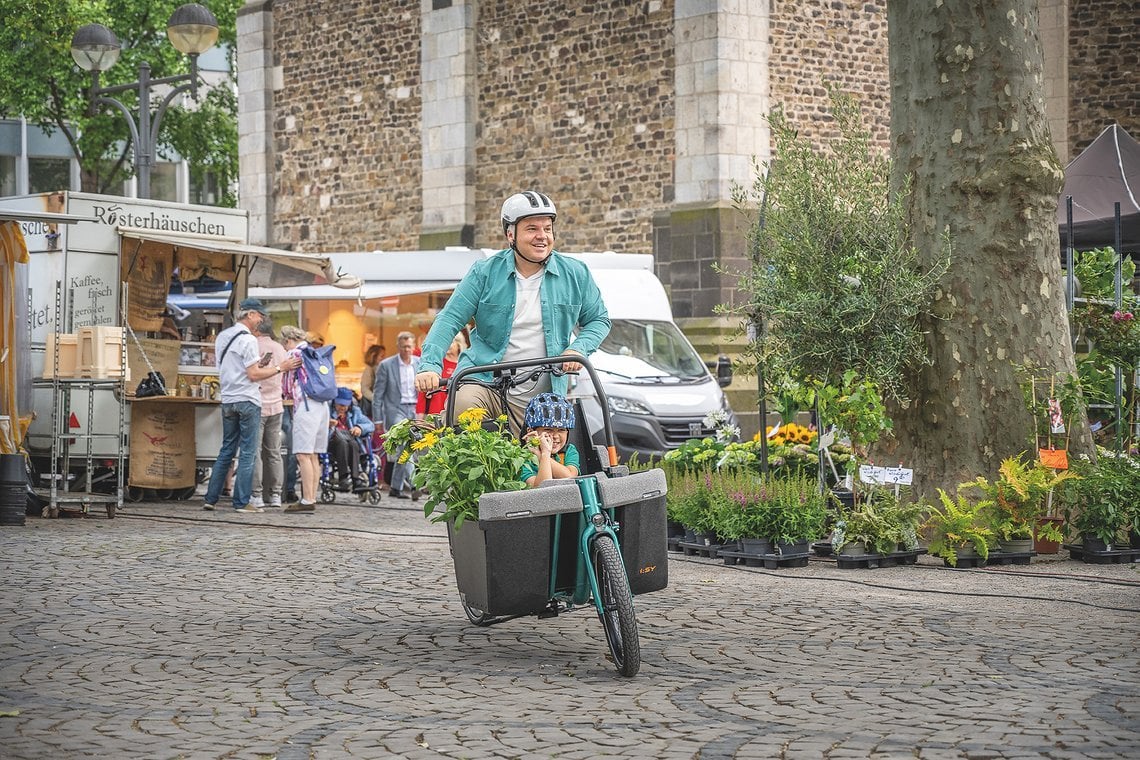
[[154, 384]]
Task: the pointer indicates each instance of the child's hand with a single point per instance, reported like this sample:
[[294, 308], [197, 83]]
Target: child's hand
[[546, 443]]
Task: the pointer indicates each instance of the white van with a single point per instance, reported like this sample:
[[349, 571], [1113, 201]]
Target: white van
[[659, 388]]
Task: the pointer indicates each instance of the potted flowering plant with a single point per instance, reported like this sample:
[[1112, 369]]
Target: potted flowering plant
[[1101, 506], [457, 465]]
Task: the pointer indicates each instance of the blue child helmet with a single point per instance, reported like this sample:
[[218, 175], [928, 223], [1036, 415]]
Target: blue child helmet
[[549, 410]]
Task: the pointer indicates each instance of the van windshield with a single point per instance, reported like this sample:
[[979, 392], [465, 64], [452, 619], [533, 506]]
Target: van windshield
[[648, 352]]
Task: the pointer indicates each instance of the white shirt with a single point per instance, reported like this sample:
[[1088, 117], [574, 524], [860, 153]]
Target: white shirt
[[236, 385], [408, 392], [528, 336], [528, 339]]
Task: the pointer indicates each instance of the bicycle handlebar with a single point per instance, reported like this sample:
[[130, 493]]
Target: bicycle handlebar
[[552, 365]]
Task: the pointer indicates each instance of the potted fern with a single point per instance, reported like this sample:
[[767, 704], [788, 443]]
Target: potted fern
[[1016, 499], [958, 530]]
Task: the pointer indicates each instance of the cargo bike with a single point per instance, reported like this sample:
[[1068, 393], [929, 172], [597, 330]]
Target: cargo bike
[[596, 540]]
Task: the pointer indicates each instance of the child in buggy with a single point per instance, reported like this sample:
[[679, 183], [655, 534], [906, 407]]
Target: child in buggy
[[350, 451]]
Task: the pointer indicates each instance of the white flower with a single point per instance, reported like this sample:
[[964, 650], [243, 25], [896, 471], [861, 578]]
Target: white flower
[[715, 419], [727, 434]]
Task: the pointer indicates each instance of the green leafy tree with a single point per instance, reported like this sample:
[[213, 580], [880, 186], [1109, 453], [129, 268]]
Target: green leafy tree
[[40, 81]]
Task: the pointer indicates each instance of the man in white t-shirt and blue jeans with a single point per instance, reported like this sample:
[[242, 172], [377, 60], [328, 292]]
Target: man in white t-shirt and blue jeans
[[240, 369]]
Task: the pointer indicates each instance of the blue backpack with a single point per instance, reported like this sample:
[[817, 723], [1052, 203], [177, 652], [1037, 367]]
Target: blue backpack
[[318, 380]]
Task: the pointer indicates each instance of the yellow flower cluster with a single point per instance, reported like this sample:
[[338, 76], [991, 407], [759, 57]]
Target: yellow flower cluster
[[472, 419], [789, 434]]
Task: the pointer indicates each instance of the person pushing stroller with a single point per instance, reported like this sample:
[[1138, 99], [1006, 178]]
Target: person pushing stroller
[[348, 428]]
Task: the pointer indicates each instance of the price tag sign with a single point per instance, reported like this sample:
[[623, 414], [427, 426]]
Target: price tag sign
[[826, 439], [901, 475], [884, 475], [871, 474]]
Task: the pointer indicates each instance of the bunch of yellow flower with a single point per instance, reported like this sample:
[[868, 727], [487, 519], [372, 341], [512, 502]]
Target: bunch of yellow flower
[[789, 434], [459, 464]]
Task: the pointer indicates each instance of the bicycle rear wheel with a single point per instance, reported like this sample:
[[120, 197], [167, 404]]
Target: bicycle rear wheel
[[617, 615]]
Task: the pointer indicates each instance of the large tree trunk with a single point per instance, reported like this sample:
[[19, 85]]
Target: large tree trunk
[[968, 125]]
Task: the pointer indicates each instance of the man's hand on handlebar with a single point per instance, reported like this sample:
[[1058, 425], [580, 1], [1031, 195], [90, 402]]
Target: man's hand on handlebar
[[427, 381], [571, 366]]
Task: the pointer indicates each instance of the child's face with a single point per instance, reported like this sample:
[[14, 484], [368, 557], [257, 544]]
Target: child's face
[[557, 436]]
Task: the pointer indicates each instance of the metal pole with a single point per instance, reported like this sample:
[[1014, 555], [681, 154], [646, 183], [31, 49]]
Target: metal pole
[[1070, 276], [144, 133], [1120, 416], [144, 151]]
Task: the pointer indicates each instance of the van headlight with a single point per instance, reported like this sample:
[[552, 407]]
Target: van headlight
[[621, 405]]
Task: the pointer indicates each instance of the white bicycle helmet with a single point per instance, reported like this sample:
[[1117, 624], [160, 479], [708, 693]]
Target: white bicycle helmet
[[527, 203]]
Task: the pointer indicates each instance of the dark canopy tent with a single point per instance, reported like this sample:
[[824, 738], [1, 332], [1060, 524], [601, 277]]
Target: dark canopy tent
[[1105, 173]]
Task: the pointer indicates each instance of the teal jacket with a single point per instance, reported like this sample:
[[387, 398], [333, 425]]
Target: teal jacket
[[569, 298]]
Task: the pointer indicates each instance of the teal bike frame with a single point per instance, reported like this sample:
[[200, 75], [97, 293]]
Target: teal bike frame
[[593, 521]]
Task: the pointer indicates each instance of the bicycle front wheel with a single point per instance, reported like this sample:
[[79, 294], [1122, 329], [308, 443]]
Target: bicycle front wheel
[[617, 615]]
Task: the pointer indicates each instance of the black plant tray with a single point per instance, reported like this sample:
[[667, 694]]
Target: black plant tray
[[874, 561], [822, 548], [1010, 558], [965, 563], [700, 550], [1103, 557], [768, 561], [673, 543]]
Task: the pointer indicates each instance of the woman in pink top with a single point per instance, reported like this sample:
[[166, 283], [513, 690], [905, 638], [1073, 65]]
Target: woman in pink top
[[268, 470]]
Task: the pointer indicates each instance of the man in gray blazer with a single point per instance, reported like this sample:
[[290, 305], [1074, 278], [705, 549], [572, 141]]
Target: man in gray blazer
[[394, 399]]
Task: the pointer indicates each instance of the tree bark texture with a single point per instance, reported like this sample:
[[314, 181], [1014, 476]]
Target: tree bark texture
[[968, 125]]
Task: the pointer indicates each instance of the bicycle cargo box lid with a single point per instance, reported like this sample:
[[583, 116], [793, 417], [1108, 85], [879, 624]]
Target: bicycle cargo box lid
[[531, 502], [631, 489]]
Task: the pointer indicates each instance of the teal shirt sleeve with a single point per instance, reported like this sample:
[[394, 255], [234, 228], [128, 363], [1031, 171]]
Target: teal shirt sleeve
[[460, 309], [530, 468]]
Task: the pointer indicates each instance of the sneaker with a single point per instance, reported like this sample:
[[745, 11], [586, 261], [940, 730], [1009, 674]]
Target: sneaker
[[398, 494], [274, 502], [256, 501], [249, 508], [344, 484], [291, 497], [301, 506], [209, 507]]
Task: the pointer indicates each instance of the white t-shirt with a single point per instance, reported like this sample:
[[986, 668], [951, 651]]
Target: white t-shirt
[[236, 385], [528, 338]]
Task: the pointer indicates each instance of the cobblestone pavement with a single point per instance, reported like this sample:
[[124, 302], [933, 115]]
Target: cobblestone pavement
[[170, 632]]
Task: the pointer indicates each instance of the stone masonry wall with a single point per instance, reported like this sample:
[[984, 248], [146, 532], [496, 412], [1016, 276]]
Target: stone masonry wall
[[814, 41], [577, 102], [347, 128], [1104, 69]]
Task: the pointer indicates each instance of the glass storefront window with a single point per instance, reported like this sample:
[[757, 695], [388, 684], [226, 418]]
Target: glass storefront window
[[164, 181], [7, 175], [47, 175]]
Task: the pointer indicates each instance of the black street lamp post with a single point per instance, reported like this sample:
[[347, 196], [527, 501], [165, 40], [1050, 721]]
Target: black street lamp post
[[192, 30]]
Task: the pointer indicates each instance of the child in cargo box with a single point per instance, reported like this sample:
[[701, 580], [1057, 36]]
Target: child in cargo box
[[548, 420]]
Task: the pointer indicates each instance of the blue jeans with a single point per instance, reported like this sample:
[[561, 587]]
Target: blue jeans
[[241, 425], [290, 457]]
